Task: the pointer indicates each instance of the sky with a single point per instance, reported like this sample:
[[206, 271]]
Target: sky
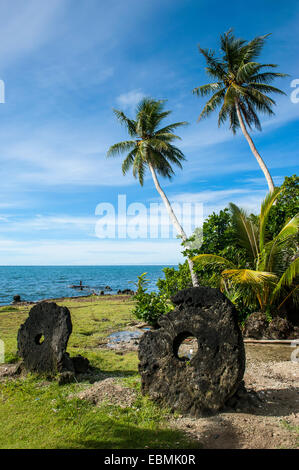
[[66, 64]]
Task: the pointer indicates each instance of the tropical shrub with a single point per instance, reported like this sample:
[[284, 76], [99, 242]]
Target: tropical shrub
[[174, 281], [149, 305], [270, 275], [219, 237], [286, 205]]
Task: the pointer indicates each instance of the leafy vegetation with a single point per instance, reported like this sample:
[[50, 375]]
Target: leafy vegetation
[[174, 280], [270, 276], [149, 305], [220, 237], [286, 205], [252, 259]]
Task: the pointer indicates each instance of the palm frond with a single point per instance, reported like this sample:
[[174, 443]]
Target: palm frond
[[246, 70], [231, 46], [249, 114], [265, 209], [121, 147], [129, 161], [212, 260], [246, 231], [130, 124], [216, 68], [288, 230], [168, 129], [267, 77], [212, 104], [265, 88], [289, 276], [253, 49], [249, 277], [207, 89]]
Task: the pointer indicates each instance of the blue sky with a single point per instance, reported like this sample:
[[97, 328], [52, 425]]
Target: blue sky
[[67, 63]]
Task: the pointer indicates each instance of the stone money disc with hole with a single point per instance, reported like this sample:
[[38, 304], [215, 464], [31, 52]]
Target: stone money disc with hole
[[43, 338], [206, 381]]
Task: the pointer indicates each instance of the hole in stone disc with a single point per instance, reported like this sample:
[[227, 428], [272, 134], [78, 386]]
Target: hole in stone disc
[[185, 346], [39, 339]]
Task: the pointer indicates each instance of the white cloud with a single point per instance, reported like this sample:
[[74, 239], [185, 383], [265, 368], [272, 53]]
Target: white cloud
[[214, 201], [130, 99], [278, 180], [48, 223], [99, 252], [53, 156]]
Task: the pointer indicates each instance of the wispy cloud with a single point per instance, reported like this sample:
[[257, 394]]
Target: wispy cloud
[[50, 224], [28, 25], [66, 64], [215, 200], [86, 252], [130, 99]]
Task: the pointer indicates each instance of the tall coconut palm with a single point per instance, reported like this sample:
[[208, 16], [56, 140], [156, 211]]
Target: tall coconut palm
[[272, 272], [241, 88], [151, 147]]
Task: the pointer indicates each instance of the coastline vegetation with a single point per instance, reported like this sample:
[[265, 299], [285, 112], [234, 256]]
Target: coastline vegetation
[[252, 258], [259, 252]]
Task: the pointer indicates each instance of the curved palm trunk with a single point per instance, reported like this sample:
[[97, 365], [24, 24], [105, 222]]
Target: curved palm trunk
[[254, 150], [175, 222]]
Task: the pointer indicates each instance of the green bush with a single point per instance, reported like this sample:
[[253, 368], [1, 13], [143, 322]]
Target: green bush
[[149, 306], [220, 238], [175, 280]]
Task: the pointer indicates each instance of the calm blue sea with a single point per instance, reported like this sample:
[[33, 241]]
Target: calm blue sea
[[34, 283]]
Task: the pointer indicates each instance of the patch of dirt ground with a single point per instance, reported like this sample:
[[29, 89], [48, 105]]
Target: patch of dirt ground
[[110, 391], [273, 424]]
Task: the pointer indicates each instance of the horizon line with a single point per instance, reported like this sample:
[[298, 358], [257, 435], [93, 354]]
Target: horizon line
[[78, 265]]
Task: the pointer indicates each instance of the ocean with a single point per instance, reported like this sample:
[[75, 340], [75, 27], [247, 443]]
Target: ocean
[[34, 283]]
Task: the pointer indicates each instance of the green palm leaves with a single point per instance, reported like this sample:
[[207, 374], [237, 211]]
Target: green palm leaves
[[241, 89], [151, 147], [238, 78], [150, 144], [272, 271]]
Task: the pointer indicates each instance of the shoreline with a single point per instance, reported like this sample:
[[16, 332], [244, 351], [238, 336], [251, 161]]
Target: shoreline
[[60, 299]]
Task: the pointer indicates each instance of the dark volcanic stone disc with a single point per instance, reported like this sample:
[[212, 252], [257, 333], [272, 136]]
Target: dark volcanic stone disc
[[214, 374], [43, 338]]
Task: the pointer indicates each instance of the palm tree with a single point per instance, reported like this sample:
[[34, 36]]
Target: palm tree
[[152, 147], [271, 274], [241, 88]]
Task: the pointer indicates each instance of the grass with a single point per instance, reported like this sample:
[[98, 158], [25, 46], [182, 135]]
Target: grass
[[292, 428], [37, 413]]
